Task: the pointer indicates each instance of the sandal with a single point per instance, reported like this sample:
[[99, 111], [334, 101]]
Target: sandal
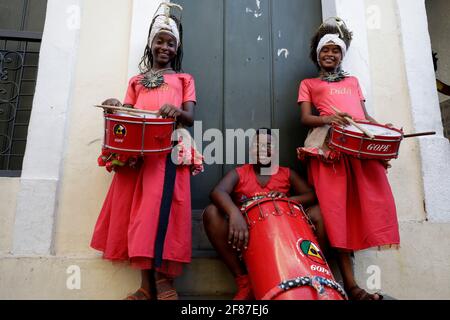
[[140, 294], [362, 294], [165, 290]]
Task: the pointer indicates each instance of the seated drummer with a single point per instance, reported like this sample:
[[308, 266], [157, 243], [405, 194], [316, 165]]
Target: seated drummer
[[225, 224]]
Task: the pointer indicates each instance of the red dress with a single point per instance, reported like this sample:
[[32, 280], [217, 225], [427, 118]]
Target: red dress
[[249, 186], [126, 228], [354, 195]]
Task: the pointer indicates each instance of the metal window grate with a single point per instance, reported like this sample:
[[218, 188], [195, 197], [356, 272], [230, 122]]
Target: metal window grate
[[21, 25], [19, 55]]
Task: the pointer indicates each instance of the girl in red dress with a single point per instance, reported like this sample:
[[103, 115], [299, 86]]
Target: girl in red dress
[[146, 216], [224, 223], [354, 195]]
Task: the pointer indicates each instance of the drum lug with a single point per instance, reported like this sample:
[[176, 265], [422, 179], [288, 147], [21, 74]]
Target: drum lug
[[292, 211], [262, 216]]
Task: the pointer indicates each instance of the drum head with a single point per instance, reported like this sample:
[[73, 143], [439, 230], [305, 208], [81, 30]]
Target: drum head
[[136, 115], [377, 130], [127, 115]]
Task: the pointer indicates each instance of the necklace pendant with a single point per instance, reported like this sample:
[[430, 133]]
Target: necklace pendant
[[153, 79], [333, 76]]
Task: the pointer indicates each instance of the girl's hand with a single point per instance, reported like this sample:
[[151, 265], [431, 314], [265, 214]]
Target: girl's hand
[[112, 102], [169, 111], [238, 232], [276, 194], [338, 119]]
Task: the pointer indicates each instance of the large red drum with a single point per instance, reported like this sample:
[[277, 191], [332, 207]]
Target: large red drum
[[352, 141], [135, 135], [283, 259]]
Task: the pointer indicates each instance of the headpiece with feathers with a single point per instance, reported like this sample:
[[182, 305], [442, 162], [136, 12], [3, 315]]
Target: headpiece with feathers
[[164, 22], [338, 27]]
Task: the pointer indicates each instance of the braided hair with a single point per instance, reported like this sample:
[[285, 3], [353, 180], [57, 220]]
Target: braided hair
[[345, 34], [147, 59]]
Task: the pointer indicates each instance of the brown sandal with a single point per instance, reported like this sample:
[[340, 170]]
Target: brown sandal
[[140, 294], [165, 290], [362, 294]]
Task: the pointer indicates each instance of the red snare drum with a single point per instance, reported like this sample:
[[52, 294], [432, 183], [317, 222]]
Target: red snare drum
[[283, 259], [352, 141], [134, 135]]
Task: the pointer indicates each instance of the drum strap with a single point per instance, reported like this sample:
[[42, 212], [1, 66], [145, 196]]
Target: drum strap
[[164, 211]]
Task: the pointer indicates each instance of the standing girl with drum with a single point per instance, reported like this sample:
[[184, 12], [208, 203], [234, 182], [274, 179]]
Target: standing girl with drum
[[354, 195], [146, 216]]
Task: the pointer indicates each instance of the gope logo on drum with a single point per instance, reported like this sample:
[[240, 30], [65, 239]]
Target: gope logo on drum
[[120, 131]]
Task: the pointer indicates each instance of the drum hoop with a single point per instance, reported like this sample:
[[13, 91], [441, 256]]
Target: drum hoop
[[394, 139], [291, 203], [365, 153], [371, 124], [140, 151], [147, 123], [260, 201]]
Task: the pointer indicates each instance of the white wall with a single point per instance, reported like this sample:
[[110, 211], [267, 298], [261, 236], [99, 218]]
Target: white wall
[[41, 174], [434, 151]]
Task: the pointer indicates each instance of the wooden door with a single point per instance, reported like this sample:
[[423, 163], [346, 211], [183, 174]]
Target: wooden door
[[248, 58]]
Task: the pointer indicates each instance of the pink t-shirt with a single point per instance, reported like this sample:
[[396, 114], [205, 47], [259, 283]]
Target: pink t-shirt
[[177, 89], [346, 95]]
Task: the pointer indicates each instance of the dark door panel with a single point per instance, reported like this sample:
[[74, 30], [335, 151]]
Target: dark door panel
[[248, 58]]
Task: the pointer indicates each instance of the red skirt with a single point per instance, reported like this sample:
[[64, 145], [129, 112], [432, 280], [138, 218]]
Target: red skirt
[[127, 226], [356, 201]]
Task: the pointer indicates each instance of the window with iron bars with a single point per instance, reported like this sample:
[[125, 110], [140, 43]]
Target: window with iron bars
[[21, 26]]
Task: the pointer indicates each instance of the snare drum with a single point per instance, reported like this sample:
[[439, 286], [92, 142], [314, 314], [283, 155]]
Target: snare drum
[[283, 259], [135, 135], [350, 140]]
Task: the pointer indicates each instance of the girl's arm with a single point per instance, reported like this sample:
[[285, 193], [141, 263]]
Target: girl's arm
[[371, 119], [185, 114], [220, 196], [310, 120], [304, 193], [368, 117]]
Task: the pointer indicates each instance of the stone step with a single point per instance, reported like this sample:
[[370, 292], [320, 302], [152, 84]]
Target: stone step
[[206, 277]]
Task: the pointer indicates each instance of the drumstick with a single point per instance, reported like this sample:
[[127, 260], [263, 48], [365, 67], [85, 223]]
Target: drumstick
[[350, 120], [126, 109], [420, 134]]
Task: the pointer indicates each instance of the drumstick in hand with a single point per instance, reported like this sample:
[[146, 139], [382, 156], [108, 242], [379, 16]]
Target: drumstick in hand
[[361, 128]]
